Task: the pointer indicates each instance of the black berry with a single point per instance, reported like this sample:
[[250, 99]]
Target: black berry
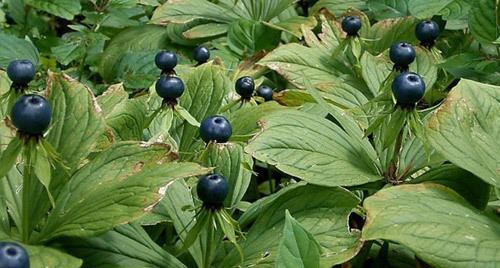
[[215, 128], [402, 54], [201, 54], [31, 114], [265, 92], [408, 88], [166, 60], [13, 255], [21, 72], [212, 189], [245, 86], [351, 25]]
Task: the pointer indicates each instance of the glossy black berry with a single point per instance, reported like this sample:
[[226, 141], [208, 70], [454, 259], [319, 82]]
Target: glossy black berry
[[402, 54], [215, 128], [427, 32], [169, 87], [351, 25], [13, 255], [265, 92], [201, 54], [245, 86], [408, 88], [212, 189], [166, 60], [9, 19], [31, 114], [21, 72]]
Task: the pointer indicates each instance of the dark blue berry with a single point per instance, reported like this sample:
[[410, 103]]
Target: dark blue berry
[[265, 92], [169, 87], [402, 54], [245, 86], [427, 32], [21, 72], [201, 54], [31, 114], [212, 189], [166, 60], [13, 255], [351, 25], [408, 88], [215, 128]]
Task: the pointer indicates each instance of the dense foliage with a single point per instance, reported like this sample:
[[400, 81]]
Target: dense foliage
[[249, 133]]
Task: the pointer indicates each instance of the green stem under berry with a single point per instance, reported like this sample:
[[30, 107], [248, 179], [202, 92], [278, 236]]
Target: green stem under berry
[[210, 240], [27, 189]]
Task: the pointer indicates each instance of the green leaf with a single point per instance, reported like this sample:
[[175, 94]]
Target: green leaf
[[466, 129], [246, 121], [206, 31], [386, 9], [111, 189], [188, 10], [389, 31], [9, 156], [324, 217], [436, 223], [484, 21], [297, 248], [463, 182], [246, 37], [259, 10], [68, 52], [206, 91], [146, 38], [177, 199], [313, 149], [294, 25], [425, 66], [229, 160], [338, 7], [43, 257], [375, 70], [294, 62], [12, 197], [42, 169], [137, 70], [13, 48], [77, 124], [125, 116], [66, 9], [185, 115], [450, 9], [125, 246]]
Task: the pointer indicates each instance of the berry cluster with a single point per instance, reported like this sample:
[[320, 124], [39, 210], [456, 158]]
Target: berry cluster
[[168, 86]]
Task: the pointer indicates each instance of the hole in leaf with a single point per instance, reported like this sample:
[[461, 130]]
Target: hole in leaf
[[355, 221]]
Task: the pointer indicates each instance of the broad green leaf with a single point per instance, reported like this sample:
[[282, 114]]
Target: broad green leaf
[[258, 10], [375, 70], [126, 116], [338, 7], [77, 124], [207, 87], [294, 62], [246, 121], [425, 66], [178, 204], [313, 149], [134, 39], [434, 222], [472, 188], [466, 129], [13, 48], [484, 21], [229, 160], [385, 33], [11, 196], [450, 9], [125, 246], [324, 217], [66, 9], [137, 70], [206, 31], [68, 52], [111, 190], [329, 38], [8, 157], [386, 9], [43, 257], [297, 248], [294, 25], [246, 37], [188, 10]]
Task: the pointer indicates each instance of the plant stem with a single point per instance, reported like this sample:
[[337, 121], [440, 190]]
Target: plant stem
[[82, 67], [395, 158], [210, 240], [27, 183], [270, 179]]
